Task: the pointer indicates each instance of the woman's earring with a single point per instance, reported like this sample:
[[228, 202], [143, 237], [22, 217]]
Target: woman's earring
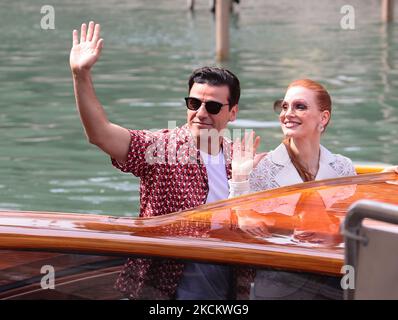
[[321, 128]]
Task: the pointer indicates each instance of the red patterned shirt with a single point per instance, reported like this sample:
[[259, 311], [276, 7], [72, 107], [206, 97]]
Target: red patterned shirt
[[173, 178]]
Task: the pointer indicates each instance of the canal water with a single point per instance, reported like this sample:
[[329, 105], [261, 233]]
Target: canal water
[[150, 49]]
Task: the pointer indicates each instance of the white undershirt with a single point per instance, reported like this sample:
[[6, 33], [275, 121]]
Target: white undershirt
[[206, 281], [217, 176]]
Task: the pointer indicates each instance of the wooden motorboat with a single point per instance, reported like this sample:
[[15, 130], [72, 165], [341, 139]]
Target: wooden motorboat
[[292, 228]]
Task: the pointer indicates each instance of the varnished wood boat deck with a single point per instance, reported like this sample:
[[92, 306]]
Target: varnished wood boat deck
[[295, 227]]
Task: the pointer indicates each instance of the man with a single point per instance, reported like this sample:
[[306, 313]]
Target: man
[[179, 168]]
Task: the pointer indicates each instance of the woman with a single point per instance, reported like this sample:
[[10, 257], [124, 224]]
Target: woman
[[304, 114]]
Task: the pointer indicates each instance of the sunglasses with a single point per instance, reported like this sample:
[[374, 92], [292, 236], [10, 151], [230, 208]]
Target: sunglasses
[[282, 106], [212, 107]]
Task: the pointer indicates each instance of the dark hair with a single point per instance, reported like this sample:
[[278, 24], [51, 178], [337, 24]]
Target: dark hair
[[217, 77]]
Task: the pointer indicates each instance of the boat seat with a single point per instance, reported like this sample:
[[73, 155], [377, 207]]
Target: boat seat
[[362, 169], [371, 253]]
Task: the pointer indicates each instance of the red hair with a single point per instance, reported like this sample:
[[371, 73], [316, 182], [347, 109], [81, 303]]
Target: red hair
[[325, 104], [321, 94]]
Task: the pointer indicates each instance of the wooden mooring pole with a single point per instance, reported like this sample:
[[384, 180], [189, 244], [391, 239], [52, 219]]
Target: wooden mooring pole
[[222, 29], [387, 10], [191, 4]]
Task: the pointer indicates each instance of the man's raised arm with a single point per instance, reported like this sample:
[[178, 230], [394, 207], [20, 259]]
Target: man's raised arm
[[111, 138]]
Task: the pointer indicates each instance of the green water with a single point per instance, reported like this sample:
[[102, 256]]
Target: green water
[[150, 49]]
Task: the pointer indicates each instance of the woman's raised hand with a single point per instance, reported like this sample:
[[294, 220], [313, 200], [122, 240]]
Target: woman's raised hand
[[244, 157], [86, 53]]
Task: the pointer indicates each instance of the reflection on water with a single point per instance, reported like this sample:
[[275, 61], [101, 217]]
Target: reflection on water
[[150, 49]]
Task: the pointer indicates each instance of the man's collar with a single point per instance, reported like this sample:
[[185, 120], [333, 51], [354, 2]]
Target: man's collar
[[185, 136]]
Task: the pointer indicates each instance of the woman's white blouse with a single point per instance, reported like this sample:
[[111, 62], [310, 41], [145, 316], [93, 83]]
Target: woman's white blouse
[[276, 170]]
